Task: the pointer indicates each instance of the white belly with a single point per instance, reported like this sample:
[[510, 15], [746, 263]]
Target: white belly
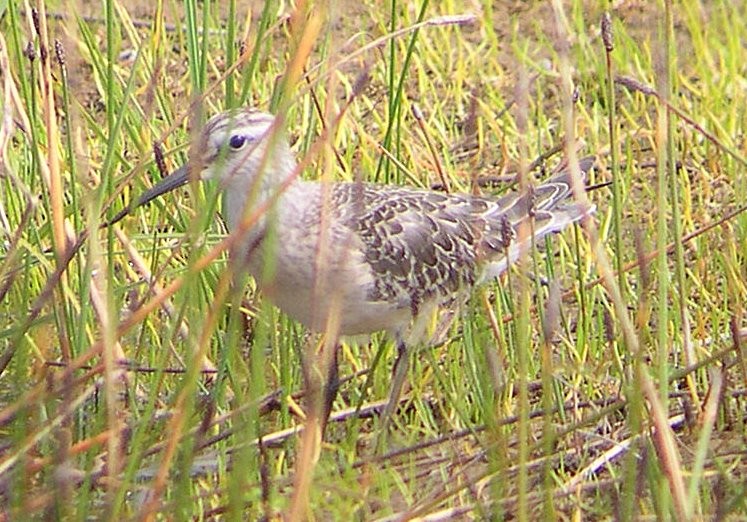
[[325, 292]]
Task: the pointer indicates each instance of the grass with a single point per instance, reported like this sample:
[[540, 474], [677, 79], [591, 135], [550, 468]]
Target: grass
[[139, 380]]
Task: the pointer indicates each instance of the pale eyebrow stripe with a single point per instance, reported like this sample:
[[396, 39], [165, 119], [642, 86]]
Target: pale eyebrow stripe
[[236, 119]]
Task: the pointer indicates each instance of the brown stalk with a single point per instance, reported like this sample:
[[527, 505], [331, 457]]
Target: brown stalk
[[634, 85], [420, 119], [53, 161]]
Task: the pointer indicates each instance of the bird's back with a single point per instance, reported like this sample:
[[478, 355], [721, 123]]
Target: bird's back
[[423, 246]]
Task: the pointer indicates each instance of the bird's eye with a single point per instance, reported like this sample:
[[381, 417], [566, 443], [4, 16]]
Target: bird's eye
[[237, 141]]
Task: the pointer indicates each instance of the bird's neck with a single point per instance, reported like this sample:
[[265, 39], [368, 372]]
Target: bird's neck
[[249, 194]]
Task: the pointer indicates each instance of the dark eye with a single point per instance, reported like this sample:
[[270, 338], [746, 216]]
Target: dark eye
[[237, 141]]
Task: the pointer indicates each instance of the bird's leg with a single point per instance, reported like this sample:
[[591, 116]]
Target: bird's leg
[[331, 387], [314, 375], [321, 377], [399, 374], [319, 364]]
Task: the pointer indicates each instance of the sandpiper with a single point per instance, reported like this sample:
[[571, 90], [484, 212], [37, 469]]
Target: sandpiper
[[358, 257]]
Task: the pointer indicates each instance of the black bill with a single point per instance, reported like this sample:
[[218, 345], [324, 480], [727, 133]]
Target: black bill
[[176, 179]]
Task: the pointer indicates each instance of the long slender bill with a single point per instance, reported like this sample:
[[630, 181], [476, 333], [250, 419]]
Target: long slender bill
[[176, 179]]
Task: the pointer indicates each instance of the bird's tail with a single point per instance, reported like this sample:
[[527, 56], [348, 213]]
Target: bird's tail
[[547, 208], [546, 196]]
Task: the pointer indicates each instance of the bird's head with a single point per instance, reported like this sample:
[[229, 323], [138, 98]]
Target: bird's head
[[242, 149], [238, 145]]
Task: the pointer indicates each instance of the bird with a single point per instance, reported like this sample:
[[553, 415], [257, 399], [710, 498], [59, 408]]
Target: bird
[[361, 257]]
